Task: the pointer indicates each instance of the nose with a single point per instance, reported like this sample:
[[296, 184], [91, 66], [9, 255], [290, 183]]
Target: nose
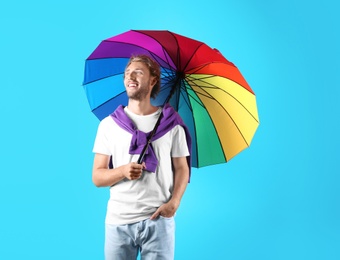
[[131, 75]]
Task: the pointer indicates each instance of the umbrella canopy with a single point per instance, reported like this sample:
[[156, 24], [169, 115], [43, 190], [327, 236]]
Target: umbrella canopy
[[209, 92]]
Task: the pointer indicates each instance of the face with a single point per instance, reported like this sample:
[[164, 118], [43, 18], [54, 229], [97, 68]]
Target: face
[[138, 81]]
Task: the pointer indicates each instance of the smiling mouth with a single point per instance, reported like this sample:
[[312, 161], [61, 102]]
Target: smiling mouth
[[132, 85]]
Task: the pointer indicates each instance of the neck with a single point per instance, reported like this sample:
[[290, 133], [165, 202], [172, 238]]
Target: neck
[[141, 107]]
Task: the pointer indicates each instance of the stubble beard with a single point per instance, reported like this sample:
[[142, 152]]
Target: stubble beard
[[139, 94]]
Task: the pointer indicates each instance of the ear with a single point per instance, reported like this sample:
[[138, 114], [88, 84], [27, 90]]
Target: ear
[[154, 81]]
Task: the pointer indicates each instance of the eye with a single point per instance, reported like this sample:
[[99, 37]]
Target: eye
[[135, 72]]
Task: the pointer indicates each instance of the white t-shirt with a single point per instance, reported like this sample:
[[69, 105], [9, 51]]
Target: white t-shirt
[[133, 201]]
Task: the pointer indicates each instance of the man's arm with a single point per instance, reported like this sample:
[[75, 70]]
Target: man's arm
[[181, 178], [102, 176]]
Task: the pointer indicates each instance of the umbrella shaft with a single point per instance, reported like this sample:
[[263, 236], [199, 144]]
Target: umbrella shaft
[[141, 156], [145, 148]]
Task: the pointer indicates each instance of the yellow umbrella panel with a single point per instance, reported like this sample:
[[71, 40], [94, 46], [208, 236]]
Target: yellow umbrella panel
[[225, 117]]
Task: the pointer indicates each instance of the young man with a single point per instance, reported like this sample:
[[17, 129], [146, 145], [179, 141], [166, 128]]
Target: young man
[[143, 197]]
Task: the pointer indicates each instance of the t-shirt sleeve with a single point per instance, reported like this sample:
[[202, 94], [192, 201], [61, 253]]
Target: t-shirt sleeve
[[101, 142], [179, 143]]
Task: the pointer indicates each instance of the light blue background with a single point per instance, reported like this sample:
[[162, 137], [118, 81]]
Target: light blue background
[[279, 199]]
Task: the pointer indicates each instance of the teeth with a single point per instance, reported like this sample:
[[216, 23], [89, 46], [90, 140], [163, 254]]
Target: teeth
[[132, 85]]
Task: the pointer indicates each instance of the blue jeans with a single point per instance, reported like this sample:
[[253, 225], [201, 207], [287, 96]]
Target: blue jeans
[[154, 239]]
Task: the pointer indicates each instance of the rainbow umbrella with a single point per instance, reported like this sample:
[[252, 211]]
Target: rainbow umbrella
[[208, 91]]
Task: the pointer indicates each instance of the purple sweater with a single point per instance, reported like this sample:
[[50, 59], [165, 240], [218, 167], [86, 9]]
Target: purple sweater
[[169, 120]]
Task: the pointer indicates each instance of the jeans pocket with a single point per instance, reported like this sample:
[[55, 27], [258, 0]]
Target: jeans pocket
[[167, 218]]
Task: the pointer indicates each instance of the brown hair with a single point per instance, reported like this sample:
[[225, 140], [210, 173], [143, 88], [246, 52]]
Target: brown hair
[[154, 69]]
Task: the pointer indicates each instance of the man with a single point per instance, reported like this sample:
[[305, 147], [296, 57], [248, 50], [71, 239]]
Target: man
[[143, 197]]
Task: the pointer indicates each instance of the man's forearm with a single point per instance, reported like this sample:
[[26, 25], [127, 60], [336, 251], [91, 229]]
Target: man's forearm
[[106, 177]]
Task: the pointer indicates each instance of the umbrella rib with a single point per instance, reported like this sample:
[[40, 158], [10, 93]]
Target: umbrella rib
[[189, 105], [116, 74], [154, 56], [203, 106], [194, 70], [178, 53], [192, 55], [107, 101], [159, 44], [169, 74], [211, 97], [144, 48], [191, 96], [214, 87]]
